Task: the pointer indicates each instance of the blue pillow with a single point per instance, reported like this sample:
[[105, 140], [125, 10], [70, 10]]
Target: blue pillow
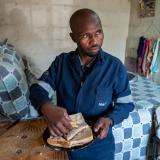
[[14, 92]]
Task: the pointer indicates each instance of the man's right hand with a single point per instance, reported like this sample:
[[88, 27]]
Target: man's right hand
[[57, 118]]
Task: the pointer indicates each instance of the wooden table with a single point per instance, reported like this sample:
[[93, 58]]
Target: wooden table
[[23, 141]]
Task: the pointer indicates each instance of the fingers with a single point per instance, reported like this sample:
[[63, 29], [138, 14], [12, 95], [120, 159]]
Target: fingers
[[67, 116], [57, 131], [103, 133], [66, 120], [52, 132], [60, 128], [67, 124], [101, 127], [97, 126]]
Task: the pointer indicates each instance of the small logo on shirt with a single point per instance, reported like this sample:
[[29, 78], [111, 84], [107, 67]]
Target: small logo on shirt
[[102, 104]]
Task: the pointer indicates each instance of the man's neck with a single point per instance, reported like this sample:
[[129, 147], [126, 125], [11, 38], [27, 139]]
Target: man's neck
[[85, 60]]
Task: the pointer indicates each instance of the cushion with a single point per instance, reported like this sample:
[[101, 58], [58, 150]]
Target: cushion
[[14, 92]]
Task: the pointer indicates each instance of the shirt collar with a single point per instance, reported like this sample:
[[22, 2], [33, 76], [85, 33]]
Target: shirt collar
[[89, 64], [99, 57]]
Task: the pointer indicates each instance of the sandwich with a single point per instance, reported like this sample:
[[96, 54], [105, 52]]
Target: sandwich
[[80, 134]]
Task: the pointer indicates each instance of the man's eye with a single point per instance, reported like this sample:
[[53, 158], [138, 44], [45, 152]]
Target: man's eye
[[84, 36], [98, 32]]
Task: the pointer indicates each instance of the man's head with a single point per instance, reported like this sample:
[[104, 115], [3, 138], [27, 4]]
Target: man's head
[[86, 31]]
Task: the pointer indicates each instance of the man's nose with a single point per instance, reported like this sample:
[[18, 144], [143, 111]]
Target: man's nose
[[93, 40]]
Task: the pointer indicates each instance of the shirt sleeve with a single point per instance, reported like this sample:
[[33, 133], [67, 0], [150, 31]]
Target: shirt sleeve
[[122, 98], [42, 91]]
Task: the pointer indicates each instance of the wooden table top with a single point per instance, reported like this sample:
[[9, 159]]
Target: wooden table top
[[23, 141]]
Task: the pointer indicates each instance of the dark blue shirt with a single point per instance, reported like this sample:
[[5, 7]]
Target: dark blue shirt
[[104, 92]]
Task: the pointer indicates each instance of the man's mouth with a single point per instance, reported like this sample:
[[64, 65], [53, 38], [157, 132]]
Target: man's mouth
[[96, 47]]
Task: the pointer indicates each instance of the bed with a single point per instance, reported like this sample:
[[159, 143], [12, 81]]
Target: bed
[[133, 137]]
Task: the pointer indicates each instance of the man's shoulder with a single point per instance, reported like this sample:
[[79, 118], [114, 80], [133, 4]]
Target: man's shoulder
[[65, 55], [107, 57], [62, 58]]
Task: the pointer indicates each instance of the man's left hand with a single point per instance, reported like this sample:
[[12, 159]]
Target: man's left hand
[[102, 127]]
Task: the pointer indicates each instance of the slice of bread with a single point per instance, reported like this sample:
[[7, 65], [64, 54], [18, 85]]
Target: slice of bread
[[83, 137], [79, 135], [79, 124]]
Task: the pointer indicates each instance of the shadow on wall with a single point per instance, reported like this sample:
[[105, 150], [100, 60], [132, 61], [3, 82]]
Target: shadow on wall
[[17, 18]]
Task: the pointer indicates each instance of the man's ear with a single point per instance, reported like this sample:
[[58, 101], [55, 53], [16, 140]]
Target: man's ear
[[72, 37]]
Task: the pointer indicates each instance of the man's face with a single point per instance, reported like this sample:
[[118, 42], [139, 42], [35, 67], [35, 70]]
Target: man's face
[[89, 36]]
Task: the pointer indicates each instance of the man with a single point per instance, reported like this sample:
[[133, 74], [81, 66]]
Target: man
[[89, 81]]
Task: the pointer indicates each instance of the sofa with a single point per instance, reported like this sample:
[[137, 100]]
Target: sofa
[[132, 136]]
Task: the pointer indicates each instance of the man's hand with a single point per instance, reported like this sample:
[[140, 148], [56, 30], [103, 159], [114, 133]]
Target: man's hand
[[102, 126], [57, 118]]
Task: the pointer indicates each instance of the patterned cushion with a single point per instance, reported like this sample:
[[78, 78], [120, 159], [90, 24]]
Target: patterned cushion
[[14, 93]]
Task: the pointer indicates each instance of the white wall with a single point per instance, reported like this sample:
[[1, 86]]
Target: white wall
[[148, 27], [39, 28]]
